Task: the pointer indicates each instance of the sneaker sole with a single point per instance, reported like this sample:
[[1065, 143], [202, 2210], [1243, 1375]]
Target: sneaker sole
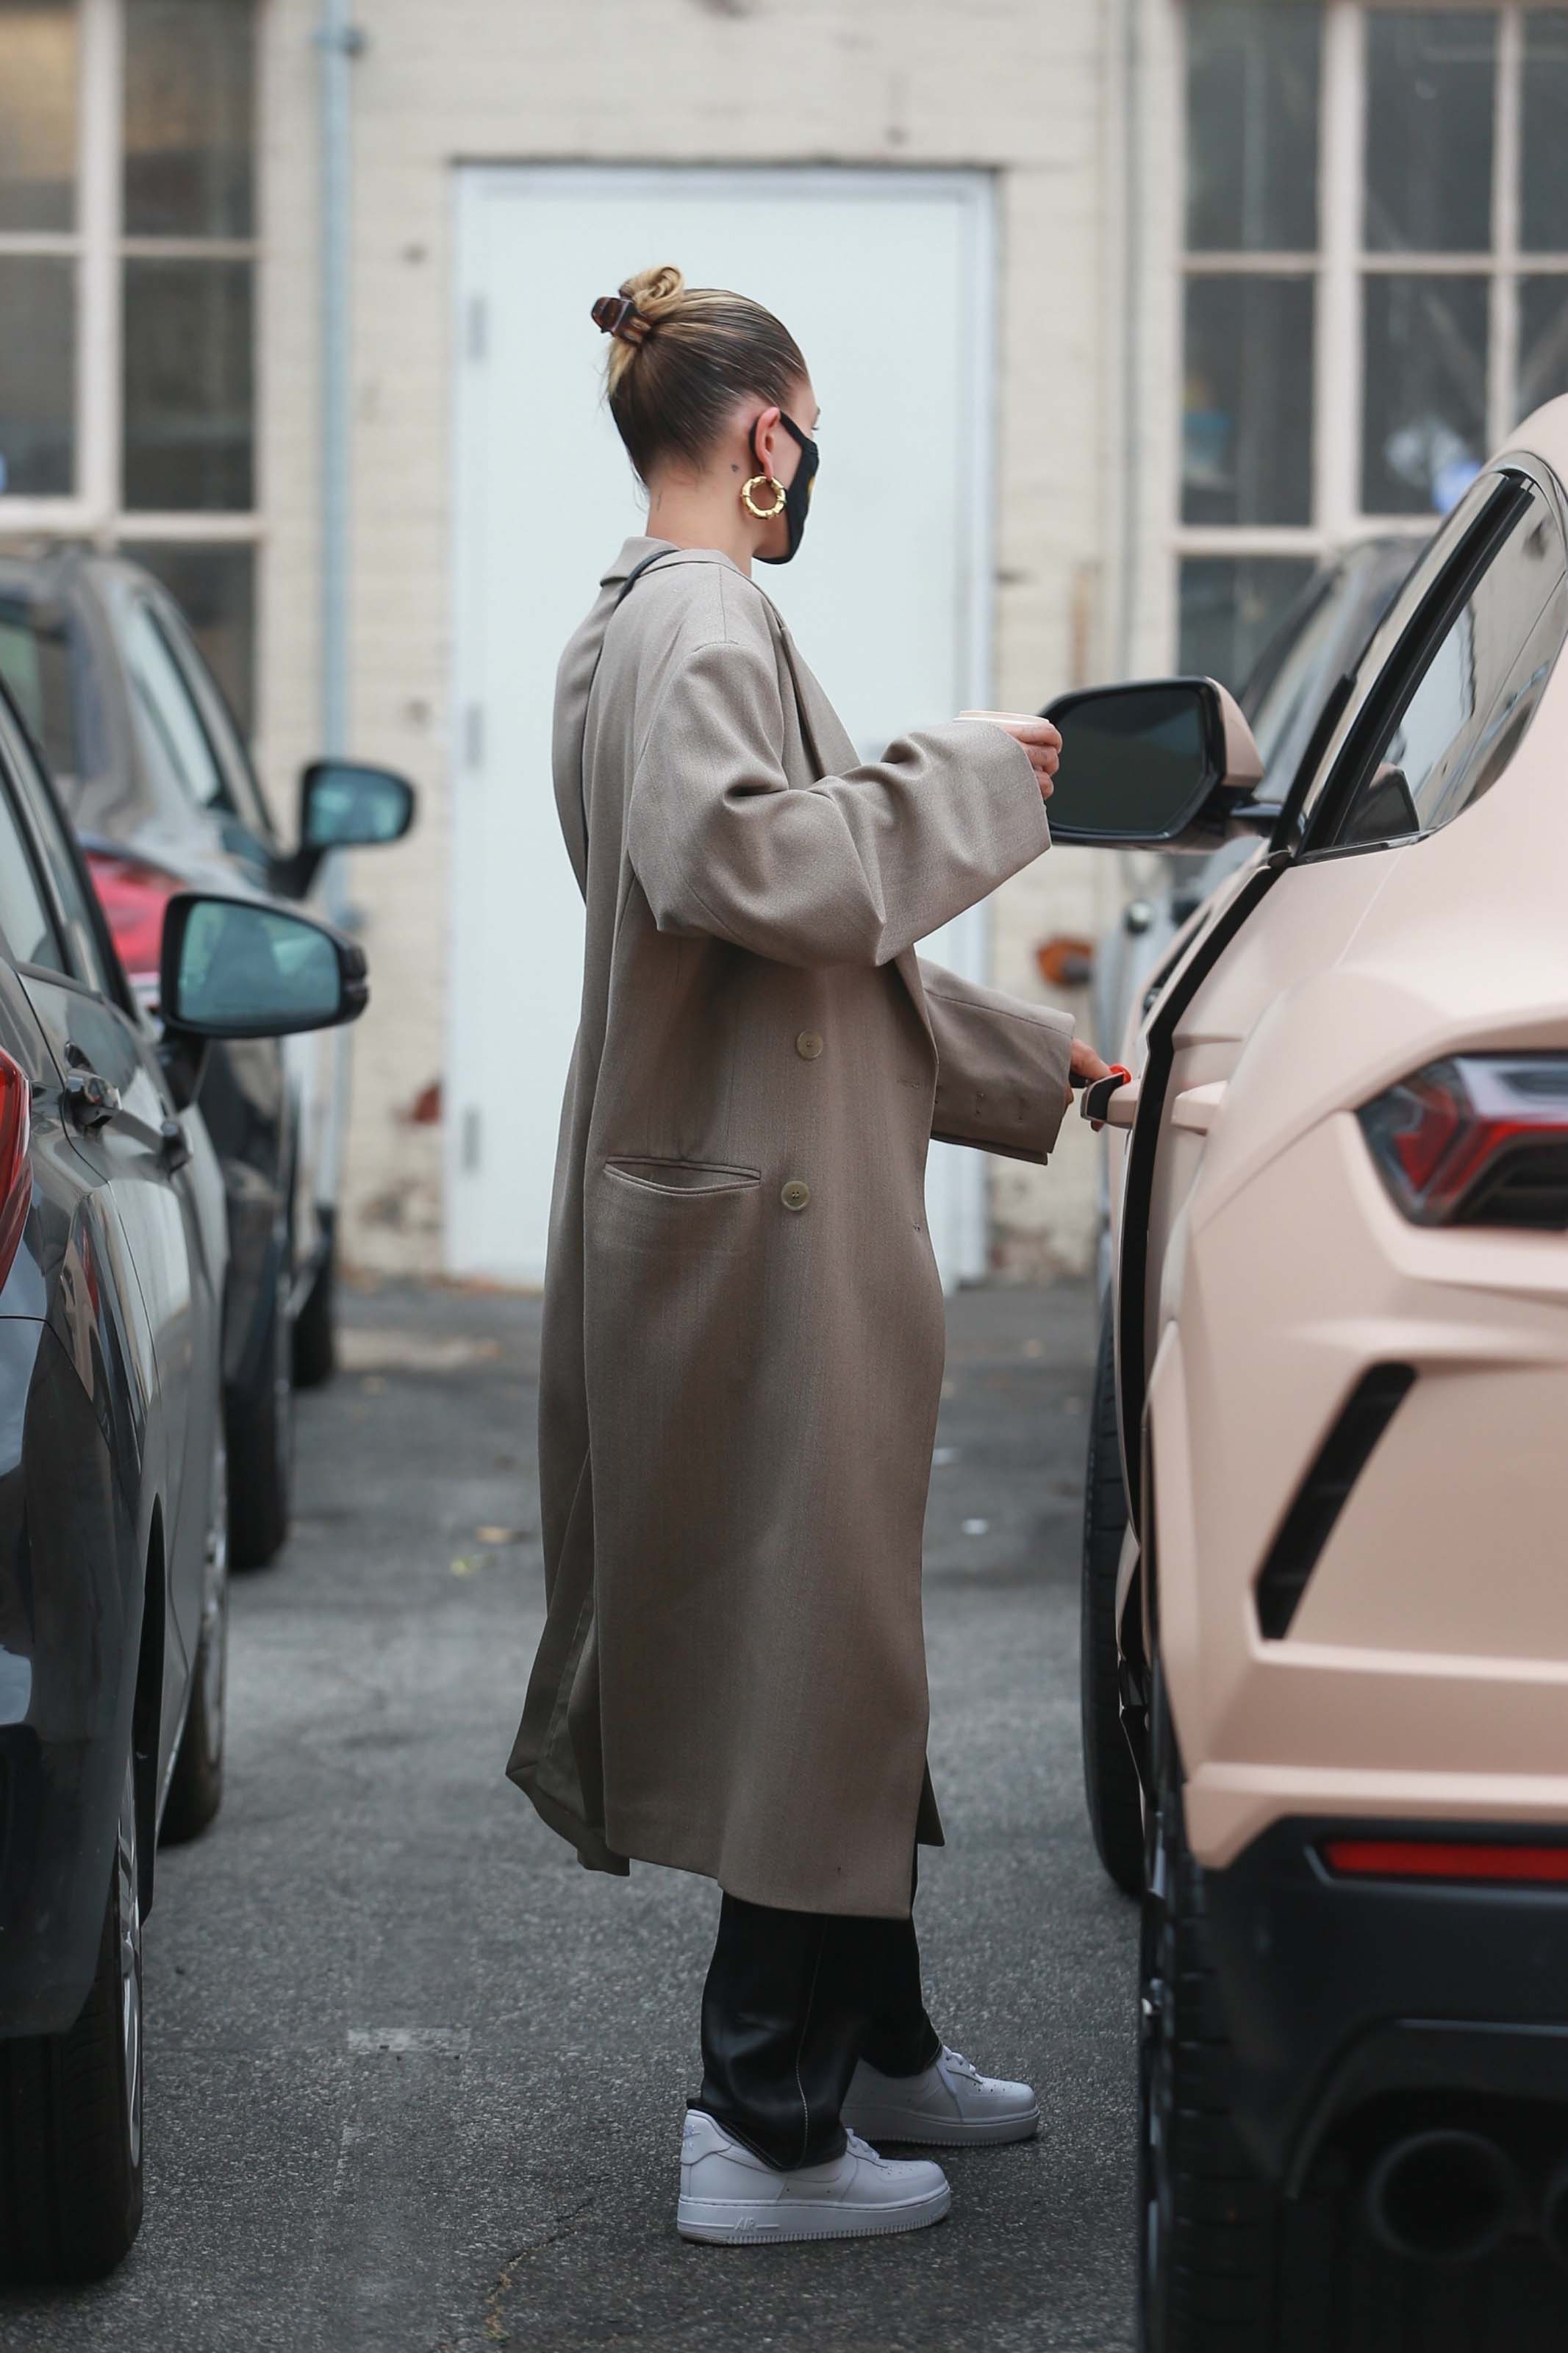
[[920, 2132], [731, 2223]]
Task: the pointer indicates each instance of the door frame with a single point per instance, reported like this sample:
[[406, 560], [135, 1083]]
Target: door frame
[[957, 1178]]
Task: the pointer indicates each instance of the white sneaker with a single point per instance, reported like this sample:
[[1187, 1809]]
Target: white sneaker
[[731, 2199], [950, 2106]]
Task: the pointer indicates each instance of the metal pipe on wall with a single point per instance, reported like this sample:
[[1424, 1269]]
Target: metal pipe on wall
[[338, 42], [1132, 400], [1131, 392]]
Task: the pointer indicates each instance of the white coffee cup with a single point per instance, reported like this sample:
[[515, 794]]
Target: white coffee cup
[[1005, 718]]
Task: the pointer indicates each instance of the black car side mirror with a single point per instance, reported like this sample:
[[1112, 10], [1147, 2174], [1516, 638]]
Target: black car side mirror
[[247, 968], [344, 804], [1162, 763]]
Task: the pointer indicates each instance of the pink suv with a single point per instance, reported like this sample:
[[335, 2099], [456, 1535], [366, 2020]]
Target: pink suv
[[1326, 1603]]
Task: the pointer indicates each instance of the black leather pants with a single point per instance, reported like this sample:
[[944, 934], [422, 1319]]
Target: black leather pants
[[793, 2000]]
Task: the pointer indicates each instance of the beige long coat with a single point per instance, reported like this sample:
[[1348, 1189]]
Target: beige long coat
[[743, 1329]]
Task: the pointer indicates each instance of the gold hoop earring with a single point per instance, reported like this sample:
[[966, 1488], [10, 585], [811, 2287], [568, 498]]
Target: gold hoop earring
[[764, 514]]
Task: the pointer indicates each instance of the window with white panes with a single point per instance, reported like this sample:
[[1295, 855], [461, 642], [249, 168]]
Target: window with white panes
[[1374, 282], [128, 262]]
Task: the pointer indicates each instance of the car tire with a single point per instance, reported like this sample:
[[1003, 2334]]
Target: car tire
[[316, 1326], [70, 2107], [196, 1786], [1209, 2224], [259, 1429], [1110, 1776]]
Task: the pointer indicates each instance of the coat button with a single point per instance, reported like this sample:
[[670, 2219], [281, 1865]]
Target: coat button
[[808, 1045], [795, 1194]]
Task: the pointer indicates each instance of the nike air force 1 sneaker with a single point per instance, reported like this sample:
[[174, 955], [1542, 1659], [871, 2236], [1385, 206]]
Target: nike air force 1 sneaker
[[949, 2106], [728, 2198]]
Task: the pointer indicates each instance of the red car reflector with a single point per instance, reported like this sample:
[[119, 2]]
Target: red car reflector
[[134, 896], [1480, 1140], [1542, 1866], [15, 1158]]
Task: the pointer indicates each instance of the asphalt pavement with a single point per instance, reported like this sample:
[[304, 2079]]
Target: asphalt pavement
[[414, 2079]]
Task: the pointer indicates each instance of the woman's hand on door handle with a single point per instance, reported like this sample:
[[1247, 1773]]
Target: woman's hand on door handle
[[1085, 1067]]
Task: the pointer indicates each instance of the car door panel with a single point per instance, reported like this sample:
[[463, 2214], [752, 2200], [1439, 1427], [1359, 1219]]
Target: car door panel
[[1164, 991], [1298, 914], [1356, 962], [141, 1230], [1304, 923], [128, 1155], [79, 1560], [151, 1166], [176, 1191]]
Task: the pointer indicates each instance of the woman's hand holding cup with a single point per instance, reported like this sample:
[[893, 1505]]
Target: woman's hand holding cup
[[1042, 742]]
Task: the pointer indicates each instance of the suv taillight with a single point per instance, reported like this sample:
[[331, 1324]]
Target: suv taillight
[[15, 1158], [1481, 1140], [134, 896]]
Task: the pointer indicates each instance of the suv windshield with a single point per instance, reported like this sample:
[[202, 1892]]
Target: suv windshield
[[1299, 675]]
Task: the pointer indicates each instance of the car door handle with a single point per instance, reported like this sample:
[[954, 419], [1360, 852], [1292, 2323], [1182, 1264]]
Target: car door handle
[[1198, 1108], [90, 1101], [1111, 1102]]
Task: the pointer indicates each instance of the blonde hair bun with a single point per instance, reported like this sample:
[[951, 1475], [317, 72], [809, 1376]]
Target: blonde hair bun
[[656, 292], [678, 359], [629, 317]]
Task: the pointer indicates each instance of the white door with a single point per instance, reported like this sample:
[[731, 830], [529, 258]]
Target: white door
[[884, 280]]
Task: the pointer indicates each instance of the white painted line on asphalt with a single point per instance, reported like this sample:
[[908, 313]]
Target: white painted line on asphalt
[[362, 1350], [374, 2041]]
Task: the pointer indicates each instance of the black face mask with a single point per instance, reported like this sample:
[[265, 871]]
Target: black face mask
[[797, 497]]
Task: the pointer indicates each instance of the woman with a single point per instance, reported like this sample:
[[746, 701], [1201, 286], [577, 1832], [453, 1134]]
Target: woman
[[743, 1325]]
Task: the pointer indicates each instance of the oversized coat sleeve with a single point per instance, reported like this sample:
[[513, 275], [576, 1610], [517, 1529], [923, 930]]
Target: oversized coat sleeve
[[1002, 1067], [850, 869]]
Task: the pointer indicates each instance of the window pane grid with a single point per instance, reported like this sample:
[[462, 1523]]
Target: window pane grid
[[1439, 289], [39, 114], [1368, 265], [40, 240], [127, 233], [187, 249], [150, 104]]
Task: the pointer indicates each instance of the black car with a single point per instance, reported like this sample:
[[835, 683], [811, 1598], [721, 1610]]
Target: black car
[[154, 774], [113, 1507]]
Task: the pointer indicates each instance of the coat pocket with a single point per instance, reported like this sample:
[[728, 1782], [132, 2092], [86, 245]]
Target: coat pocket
[[679, 1213], [677, 1177]]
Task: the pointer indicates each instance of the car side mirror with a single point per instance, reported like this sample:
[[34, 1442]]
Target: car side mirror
[[344, 804], [1161, 763], [234, 968]]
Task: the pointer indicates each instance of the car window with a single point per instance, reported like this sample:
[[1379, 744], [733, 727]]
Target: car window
[[86, 958], [1457, 729], [25, 923], [1376, 656], [166, 719], [35, 663], [1297, 674], [241, 790]]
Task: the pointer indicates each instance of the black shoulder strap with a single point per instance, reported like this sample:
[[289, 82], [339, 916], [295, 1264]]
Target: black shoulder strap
[[627, 584], [636, 573]]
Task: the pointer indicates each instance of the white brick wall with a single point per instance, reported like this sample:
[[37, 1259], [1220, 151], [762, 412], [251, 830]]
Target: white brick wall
[[1026, 87]]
